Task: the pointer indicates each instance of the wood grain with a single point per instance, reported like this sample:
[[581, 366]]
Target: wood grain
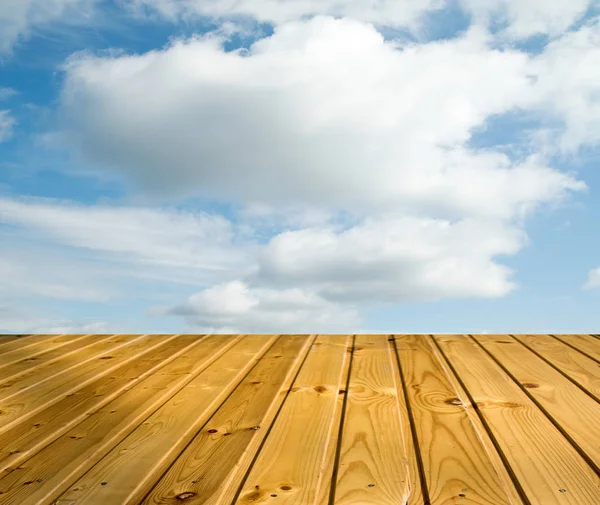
[[295, 450], [210, 469], [136, 463], [25, 439], [546, 466], [50, 472], [579, 368], [455, 455], [16, 350], [586, 344], [373, 464], [18, 404], [565, 404]]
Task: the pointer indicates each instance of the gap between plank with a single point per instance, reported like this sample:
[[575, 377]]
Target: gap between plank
[[562, 431], [413, 430], [503, 457], [589, 393]]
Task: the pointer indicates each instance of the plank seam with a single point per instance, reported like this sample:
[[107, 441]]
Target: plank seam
[[133, 428], [589, 393], [413, 430], [573, 347], [338, 448], [509, 469], [111, 398], [208, 420], [264, 440], [562, 431]]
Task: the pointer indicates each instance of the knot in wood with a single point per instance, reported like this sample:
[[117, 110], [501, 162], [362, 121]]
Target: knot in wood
[[185, 496], [530, 385]]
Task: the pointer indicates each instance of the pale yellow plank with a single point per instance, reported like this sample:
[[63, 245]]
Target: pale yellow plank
[[57, 360], [548, 468], [290, 464], [33, 347], [373, 463], [330, 460], [572, 363], [18, 404], [586, 344], [457, 456], [131, 468], [211, 468], [50, 472], [415, 486], [25, 439], [573, 410]]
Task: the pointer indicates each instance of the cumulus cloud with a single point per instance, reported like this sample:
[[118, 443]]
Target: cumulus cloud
[[7, 123], [379, 125], [569, 86], [236, 308], [18, 18], [593, 280], [395, 259]]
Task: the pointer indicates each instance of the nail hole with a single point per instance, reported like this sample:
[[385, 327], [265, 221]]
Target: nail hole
[[371, 485], [212, 431], [286, 488], [563, 490], [462, 495], [103, 483], [274, 496]]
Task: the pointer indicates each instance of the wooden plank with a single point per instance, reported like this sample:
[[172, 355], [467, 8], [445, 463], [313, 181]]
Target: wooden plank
[[586, 344], [4, 339], [59, 358], [457, 457], [211, 467], [415, 486], [331, 453], [133, 466], [574, 412], [373, 464], [17, 350], [579, 368], [24, 340], [548, 468], [17, 406], [46, 475], [26, 439], [295, 449]]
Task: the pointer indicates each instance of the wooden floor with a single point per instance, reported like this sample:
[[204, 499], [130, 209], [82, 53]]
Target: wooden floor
[[300, 419]]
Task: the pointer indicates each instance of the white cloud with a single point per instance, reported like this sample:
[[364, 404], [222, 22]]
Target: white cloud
[[7, 123], [569, 86], [326, 100], [236, 308], [18, 18], [395, 259], [167, 238], [6, 93], [593, 280], [13, 320], [522, 18], [385, 12]]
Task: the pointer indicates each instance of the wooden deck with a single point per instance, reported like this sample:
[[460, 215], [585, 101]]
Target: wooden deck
[[300, 419]]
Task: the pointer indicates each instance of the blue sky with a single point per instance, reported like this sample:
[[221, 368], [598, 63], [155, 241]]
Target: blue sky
[[403, 167]]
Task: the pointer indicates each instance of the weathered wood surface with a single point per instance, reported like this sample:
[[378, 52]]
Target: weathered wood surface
[[299, 419]]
